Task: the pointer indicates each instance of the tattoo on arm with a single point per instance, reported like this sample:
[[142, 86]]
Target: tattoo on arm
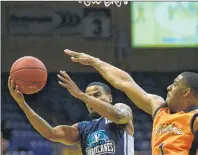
[[123, 113]]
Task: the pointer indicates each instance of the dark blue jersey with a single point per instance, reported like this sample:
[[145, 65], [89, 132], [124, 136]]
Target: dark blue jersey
[[102, 136]]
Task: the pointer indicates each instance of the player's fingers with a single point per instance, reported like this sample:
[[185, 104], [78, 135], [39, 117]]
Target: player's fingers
[[63, 84], [71, 53], [75, 59], [65, 75], [9, 82], [9, 85], [12, 84], [19, 93], [16, 88], [62, 79]]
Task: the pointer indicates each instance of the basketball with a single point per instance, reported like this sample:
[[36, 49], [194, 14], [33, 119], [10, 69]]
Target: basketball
[[29, 73]]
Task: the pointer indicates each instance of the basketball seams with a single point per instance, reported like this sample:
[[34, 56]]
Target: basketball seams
[[14, 64], [29, 58], [28, 81], [22, 69], [27, 69]]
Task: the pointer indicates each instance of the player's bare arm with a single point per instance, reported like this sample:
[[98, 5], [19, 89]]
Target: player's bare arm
[[120, 80], [114, 113], [63, 134]]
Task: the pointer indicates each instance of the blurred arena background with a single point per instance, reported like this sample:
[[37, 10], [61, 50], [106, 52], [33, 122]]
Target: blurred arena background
[[153, 41]]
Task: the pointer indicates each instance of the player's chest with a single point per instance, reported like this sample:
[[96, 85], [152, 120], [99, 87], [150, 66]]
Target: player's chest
[[100, 140], [171, 124]]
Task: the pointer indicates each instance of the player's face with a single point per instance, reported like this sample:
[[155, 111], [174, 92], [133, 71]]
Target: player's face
[[97, 92], [176, 92]]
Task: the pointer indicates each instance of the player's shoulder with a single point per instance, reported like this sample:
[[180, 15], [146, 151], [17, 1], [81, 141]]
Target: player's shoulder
[[86, 126], [83, 124], [159, 109], [88, 123], [157, 98], [157, 102]]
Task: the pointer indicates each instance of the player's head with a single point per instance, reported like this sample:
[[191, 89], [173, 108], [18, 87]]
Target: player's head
[[183, 92], [98, 90]]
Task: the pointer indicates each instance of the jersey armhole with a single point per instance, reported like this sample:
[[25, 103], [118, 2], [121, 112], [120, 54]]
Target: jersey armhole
[[191, 126], [156, 111], [194, 146]]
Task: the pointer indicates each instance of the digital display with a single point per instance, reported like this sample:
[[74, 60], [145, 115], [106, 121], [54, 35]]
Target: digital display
[[164, 24]]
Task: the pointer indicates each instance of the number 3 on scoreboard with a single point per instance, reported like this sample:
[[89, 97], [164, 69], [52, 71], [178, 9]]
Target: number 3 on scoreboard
[[161, 147]]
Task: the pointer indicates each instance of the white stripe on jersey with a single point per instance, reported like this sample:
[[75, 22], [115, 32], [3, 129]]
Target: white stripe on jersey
[[128, 144]]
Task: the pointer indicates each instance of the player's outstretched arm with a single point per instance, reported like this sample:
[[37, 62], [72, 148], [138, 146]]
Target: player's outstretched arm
[[63, 134], [120, 80], [120, 113]]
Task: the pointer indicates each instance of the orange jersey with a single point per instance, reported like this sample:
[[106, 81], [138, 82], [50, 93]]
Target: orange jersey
[[172, 133]]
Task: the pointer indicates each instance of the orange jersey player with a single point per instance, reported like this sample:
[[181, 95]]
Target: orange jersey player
[[175, 121], [172, 132]]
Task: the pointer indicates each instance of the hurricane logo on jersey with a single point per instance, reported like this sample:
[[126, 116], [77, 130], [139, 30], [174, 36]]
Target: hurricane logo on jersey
[[99, 143]]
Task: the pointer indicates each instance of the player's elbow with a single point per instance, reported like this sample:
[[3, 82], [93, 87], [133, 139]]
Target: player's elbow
[[51, 136], [122, 120], [123, 113]]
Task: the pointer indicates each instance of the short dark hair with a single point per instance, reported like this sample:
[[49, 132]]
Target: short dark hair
[[104, 86], [191, 79]]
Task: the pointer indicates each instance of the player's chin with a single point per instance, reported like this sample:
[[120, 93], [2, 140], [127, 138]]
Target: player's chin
[[167, 100]]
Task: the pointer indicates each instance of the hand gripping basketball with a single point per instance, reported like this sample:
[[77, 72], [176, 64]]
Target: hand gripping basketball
[[15, 93], [29, 73]]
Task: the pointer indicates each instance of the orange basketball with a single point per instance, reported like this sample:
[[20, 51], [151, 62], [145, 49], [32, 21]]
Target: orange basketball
[[29, 73]]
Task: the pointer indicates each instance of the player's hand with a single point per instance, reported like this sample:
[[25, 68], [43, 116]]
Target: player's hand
[[82, 58], [14, 91], [69, 84]]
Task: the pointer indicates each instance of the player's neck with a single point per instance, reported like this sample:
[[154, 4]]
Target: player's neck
[[184, 107], [95, 116], [190, 103]]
